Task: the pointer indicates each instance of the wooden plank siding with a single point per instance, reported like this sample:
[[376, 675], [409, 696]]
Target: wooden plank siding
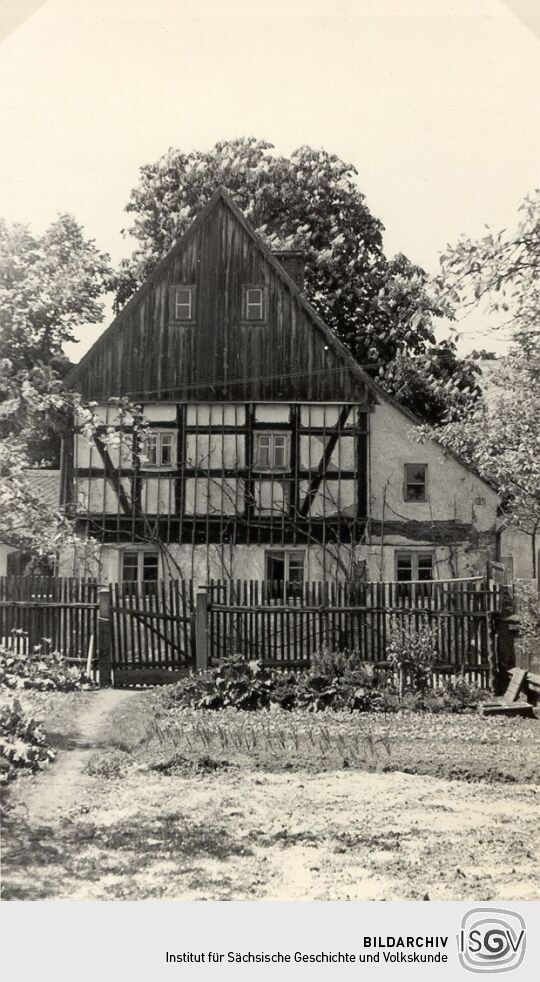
[[292, 355]]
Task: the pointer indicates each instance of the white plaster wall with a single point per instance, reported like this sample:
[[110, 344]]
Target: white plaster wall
[[453, 491], [518, 545]]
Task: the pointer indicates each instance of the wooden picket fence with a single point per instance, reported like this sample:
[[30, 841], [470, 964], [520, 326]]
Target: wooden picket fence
[[285, 628], [50, 613], [157, 632]]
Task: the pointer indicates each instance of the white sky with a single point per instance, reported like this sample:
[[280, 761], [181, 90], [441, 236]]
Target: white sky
[[434, 101]]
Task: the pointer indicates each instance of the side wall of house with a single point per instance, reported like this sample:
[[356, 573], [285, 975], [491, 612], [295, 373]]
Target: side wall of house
[[458, 517]]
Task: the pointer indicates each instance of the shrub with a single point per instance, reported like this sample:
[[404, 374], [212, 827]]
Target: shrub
[[40, 669], [22, 742], [248, 685], [411, 652]]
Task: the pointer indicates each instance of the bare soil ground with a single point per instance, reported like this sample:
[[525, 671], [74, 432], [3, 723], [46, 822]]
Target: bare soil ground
[[117, 817]]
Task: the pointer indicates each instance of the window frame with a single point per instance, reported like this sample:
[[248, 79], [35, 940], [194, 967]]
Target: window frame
[[141, 554], [415, 555], [157, 434], [417, 484], [272, 467], [246, 303], [290, 587], [173, 303]]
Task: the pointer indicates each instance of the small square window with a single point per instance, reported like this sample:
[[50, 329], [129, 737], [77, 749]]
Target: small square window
[[272, 451], [254, 303], [139, 566], [182, 303], [415, 482], [414, 566], [160, 449]]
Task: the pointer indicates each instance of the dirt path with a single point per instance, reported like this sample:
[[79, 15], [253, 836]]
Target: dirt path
[[241, 833], [60, 788]]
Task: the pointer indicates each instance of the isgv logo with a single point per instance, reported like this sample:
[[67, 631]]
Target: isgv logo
[[491, 940]]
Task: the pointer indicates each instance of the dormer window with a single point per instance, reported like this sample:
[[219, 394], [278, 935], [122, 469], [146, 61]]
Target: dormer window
[[254, 303], [182, 304]]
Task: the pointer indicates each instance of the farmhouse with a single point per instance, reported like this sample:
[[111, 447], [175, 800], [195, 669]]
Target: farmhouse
[[269, 453]]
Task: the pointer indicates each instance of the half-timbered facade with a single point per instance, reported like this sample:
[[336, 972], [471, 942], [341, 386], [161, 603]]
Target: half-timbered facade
[[266, 451]]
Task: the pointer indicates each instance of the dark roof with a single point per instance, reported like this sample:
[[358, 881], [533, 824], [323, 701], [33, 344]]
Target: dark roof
[[221, 194]]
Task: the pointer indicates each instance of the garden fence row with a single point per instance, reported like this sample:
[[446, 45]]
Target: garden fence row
[[155, 632], [259, 621]]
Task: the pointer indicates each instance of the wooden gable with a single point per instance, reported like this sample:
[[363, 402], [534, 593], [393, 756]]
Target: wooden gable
[[290, 356]]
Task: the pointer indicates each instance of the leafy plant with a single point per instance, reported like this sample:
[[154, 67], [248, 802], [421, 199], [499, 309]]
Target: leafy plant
[[22, 742], [410, 651], [40, 669], [337, 681]]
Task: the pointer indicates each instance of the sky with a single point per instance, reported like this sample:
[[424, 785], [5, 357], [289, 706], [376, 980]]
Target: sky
[[435, 102]]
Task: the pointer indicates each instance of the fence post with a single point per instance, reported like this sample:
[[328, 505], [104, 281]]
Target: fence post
[[104, 638], [201, 630]]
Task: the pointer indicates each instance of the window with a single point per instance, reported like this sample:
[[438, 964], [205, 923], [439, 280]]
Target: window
[[160, 448], [414, 482], [272, 451], [414, 566], [182, 303], [285, 571], [139, 566], [254, 304]]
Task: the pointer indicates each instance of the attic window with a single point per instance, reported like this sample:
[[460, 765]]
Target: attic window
[[415, 482], [182, 304], [254, 303]]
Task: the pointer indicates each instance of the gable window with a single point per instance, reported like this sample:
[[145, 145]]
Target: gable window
[[139, 566], [284, 570], [415, 482], [160, 449], [272, 451], [182, 303], [254, 303]]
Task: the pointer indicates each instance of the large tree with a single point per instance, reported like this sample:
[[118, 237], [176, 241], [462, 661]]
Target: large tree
[[383, 309], [49, 285], [500, 271], [501, 437]]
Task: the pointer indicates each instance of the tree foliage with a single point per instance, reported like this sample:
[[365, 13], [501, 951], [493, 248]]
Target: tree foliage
[[49, 285], [501, 438], [502, 270], [383, 309]]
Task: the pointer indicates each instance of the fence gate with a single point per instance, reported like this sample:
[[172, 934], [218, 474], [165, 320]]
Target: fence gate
[[151, 639]]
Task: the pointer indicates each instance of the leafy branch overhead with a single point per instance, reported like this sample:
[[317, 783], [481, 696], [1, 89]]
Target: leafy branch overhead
[[501, 270], [383, 309]]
